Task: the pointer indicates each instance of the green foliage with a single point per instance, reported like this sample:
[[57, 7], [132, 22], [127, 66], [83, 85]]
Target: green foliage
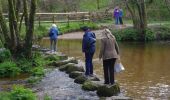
[[20, 93], [9, 69], [47, 97], [33, 80], [38, 71], [4, 96], [52, 58], [5, 54], [149, 35], [24, 64], [40, 31], [162, 32], [130, 34]]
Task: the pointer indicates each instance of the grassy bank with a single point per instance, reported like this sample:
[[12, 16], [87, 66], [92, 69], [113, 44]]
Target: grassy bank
[[153, 33], [42, 29]]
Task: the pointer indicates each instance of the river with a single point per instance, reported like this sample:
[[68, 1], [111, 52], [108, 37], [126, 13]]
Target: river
[[147, 67]]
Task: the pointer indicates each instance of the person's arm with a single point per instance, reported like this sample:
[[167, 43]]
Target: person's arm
[[117, 47], [92, 38], [101, 49], [84, 45]]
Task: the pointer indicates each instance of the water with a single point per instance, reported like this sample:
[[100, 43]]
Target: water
[[59, 86], [146, 75]]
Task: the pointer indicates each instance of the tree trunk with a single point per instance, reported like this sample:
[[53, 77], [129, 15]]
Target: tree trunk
[[4, 29], [139, 19], [29, 33]]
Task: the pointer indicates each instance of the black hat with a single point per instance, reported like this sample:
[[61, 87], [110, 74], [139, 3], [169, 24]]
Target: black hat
[[85, 28]]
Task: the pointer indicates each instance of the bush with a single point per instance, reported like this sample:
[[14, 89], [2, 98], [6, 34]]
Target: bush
[[20, 93], [25, 65], [4, 96], [38, 71], [162, 32], [130, 34], [5, 54], [150, 35], [9, 69]]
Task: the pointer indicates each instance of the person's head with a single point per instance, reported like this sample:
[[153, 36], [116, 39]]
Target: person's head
[[54, 25], [107, 33], [104, 27], [85, 28]]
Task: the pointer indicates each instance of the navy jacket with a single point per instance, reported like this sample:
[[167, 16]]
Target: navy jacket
[[88, 43], [53, 33]]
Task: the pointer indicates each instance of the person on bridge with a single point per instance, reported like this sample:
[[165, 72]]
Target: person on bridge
[[109, 52], [88, 47], [53, 34]]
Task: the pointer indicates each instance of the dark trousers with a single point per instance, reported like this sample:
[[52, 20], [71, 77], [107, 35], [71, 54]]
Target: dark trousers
[[89, 64], [108, 67], [53, 43], [120, 20]]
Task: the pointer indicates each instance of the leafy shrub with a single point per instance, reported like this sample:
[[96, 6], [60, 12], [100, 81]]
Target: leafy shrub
[[130, 34], [4, 96], [162, 32], [41, 31], [38, 71], [25, 65], [150, 35], [9, 69], [5, 54], [20, 93], [33, 79]]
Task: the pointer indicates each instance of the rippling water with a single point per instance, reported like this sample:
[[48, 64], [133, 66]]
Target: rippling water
[[147, 74]]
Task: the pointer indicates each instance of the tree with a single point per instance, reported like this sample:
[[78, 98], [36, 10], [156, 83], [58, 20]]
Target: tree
[[11, 34], [137, 9]]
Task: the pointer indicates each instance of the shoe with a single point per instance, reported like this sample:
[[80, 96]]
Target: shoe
[[91, 75]]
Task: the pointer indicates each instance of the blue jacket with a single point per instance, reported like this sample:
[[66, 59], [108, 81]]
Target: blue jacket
[[53, 34], [120, 13], [88, 43]]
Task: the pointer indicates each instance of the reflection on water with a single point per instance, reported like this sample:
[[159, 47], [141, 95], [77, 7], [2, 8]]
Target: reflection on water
[[147, 66]]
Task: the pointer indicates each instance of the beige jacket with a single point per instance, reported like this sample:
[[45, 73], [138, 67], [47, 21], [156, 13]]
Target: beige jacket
[[109, 47]]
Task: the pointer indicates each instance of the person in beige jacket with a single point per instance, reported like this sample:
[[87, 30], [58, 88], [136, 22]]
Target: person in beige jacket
[[109, 52]]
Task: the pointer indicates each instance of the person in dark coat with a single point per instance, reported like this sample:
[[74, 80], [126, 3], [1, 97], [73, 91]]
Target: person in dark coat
[[88, 47], [53, 34]]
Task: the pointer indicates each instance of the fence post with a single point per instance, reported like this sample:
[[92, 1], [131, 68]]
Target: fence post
[[39, 22], [68, 21], [83, 18], [53, 19]]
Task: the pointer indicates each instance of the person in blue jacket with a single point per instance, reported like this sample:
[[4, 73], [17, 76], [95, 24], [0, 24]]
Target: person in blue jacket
[[53, 34], [120, 16], [88, 47]]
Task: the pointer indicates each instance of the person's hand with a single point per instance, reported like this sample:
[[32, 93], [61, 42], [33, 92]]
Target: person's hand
[[118, 58]]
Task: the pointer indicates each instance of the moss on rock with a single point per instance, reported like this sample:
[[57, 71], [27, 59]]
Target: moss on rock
[[80, 79], [64, 62], [89, 86], [52, 58], [65, 67], [107, 91], [75, 74], [74, 68]]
